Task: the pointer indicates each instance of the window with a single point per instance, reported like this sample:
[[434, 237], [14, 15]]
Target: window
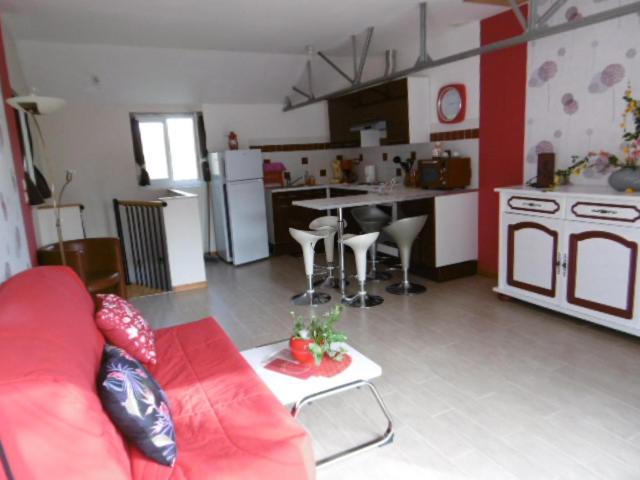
[[169, 145]]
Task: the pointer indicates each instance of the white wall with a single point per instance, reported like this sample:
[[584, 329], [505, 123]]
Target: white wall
[[466, 72], [144, 75], [575, 62], [95, 141], [260, 124], [16, 73]]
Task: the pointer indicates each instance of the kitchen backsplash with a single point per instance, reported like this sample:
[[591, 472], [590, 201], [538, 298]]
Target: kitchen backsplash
[[320, 160]]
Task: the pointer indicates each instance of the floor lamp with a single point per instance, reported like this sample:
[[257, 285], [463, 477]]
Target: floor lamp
[[35, 105]]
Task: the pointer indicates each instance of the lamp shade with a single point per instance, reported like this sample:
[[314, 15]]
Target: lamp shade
[[35, 104]]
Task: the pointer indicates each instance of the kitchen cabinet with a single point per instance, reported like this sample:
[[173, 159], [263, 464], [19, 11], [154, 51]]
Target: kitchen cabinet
[[572, 251], [446, 248], [403, 104], [532, 254], [286, 215], [601, 265]]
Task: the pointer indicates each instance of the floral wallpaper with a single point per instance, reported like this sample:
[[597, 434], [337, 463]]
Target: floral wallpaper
[[575, 87], [14, 252]]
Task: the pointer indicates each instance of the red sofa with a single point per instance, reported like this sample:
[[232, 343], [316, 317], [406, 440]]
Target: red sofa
[[52, 425]]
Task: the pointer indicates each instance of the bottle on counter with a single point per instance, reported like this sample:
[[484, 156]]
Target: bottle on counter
[[233, 141]]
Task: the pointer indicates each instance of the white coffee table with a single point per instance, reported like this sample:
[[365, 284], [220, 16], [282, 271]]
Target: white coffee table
[[298, 393]]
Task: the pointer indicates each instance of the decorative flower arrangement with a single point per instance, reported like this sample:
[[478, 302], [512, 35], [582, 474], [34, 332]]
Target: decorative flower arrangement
[[632, 137], [315, 337], [604, 161]]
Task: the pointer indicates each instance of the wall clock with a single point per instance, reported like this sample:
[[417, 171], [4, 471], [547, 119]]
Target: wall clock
[[452, 103]]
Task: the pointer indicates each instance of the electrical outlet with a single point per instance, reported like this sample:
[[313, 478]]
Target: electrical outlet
[[323, 173], [305, 161], [398, 172], [385, 157]]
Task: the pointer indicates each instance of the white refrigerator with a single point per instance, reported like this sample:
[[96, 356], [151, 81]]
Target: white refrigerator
[[239, 210]]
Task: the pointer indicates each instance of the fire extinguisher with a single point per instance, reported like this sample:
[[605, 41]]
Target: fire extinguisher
[[233, 141]]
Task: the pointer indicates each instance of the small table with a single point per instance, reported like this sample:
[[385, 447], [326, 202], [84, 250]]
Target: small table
[[294, 391]]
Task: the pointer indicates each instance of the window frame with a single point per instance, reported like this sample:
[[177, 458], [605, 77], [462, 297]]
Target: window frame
[[163, 117]]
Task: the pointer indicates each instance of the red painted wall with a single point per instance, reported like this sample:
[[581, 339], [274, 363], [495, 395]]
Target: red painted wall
[[503, 80], [16, 147]]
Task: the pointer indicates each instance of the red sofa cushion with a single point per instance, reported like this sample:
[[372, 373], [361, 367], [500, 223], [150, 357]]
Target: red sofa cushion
[[123, 326], [228, 424], [52, 424]]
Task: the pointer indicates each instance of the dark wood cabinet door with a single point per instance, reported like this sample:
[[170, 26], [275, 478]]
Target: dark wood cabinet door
[[388, 102], [286, 215], [423, 252]]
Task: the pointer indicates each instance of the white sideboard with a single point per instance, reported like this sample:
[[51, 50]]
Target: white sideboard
[[573, 249]]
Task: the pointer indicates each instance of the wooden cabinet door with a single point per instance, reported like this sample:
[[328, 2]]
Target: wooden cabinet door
[[531, 255], [601, 270], [286, 215]]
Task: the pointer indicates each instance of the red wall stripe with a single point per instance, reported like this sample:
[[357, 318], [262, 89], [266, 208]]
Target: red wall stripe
[[503, 80], [16, 147]]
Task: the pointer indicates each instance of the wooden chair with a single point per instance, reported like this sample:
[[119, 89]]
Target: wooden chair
[[97, 261]]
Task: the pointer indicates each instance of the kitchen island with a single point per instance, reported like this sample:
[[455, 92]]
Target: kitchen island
[[445, 249]]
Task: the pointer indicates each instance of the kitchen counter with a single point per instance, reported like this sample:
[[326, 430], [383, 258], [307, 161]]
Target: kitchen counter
[[278, 188], [445, 249], [399, 194]]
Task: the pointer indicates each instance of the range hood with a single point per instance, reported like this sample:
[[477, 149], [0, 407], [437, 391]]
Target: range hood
[[371, 132]]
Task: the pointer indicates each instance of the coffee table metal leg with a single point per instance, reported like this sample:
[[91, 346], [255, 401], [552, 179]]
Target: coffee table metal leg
[[385, 438]]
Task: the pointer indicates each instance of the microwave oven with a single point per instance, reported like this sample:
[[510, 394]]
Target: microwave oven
[[442, 173]]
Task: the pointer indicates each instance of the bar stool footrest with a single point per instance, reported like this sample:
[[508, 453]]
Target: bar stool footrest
[[403, 288]]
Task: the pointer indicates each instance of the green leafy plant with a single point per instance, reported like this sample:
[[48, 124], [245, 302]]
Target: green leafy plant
[[326, 340]]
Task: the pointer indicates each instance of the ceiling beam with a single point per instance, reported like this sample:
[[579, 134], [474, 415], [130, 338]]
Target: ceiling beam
[[528, 36], [363, 55], [551, 11], [516, 11], [336, 67]]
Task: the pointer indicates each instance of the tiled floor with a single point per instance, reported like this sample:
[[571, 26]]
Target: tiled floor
[[479, 388]]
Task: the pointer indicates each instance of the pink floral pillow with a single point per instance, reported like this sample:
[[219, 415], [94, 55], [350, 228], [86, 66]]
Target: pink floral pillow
[[123, 326]]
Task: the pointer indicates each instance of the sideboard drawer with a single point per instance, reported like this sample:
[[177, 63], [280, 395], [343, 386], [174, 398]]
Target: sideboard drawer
[[549, 207], [623, 213]]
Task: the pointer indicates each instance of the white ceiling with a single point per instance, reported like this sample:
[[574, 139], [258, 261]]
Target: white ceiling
[[216, 51], [275, 26]]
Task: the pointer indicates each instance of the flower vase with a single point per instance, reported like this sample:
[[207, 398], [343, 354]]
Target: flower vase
[[300, 350], [625, 178]]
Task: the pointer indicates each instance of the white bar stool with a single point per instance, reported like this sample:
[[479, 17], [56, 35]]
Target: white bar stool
[[307, 241], [404, 232], [329, 226], [360, 244], [372, 219]]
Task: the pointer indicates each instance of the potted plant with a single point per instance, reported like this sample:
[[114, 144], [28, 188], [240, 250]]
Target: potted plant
[[314, 337], [627, 177]]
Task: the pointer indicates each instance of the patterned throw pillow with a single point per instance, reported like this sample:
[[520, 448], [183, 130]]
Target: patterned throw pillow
[[137, 405], [122, 325]]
